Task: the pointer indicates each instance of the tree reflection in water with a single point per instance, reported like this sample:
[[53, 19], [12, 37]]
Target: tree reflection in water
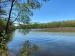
[[24, 31], [27, 50], [28, 47]]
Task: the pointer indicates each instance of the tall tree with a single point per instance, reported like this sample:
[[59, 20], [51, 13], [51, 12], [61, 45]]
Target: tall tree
[[8, 21], [21, 10]]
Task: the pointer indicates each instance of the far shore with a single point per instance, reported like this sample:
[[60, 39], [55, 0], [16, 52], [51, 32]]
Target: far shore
[[58, 29]]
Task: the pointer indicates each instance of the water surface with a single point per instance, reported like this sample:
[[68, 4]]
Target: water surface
[[25, 43]]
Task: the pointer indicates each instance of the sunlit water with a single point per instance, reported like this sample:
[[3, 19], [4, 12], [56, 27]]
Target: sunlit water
[[44, 44]]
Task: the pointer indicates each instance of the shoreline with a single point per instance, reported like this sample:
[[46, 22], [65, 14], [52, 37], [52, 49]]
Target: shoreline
[[58, 29]]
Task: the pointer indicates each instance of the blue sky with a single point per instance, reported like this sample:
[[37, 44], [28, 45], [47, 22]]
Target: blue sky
[[55, 10]]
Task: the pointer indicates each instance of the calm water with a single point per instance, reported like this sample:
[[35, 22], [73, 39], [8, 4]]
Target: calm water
[[25, 43]]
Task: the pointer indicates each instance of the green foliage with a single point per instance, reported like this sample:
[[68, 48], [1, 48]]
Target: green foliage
[[69, 23], [2, 10], [22, 8], [2, 25], [4, 39]]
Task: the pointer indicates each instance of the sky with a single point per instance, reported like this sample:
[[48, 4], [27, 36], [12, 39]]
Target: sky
[[55, 10]]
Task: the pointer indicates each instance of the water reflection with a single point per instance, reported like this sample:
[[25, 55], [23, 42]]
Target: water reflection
[[22, 47], [24, 31], [28, 49], [25, 43], [25, 50]]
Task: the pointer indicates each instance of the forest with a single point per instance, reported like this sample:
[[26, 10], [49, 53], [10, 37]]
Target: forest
[[55, 24]]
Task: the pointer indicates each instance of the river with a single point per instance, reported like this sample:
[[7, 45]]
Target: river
[[35, 43]]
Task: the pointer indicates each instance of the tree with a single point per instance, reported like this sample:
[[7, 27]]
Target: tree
[[2, 11], [23, 10]]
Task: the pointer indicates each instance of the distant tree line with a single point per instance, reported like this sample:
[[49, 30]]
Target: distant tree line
[[68, 23]]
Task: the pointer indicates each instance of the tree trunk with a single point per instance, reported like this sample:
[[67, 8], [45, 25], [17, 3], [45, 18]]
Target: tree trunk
[[8, 21]]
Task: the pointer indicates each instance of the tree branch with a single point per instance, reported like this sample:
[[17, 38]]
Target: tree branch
[[15, 18]]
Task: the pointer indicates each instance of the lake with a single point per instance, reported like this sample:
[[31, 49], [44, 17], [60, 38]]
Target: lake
[[32, 43]]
